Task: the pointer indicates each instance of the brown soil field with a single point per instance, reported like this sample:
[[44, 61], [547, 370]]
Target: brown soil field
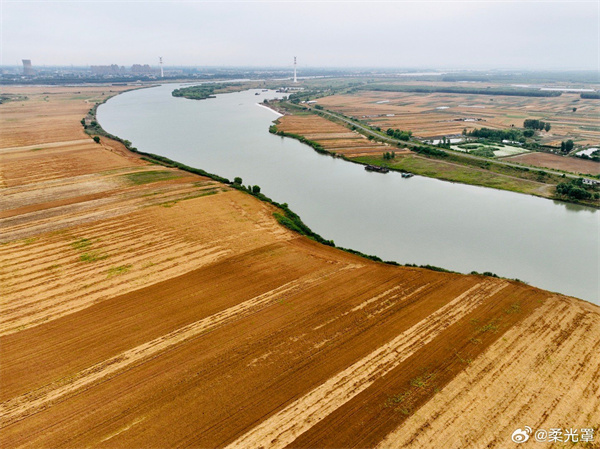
[[418, 112], [143, 306], [571, 164], [333, 137]]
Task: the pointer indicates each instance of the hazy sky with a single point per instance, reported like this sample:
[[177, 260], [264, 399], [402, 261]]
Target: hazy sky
[[440, 34]]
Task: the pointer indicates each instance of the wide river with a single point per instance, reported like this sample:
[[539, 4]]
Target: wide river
[[419, 220]]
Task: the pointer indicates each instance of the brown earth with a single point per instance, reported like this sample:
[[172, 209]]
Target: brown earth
[[146, 307], [571, 164], [419, 113], [333, 137]]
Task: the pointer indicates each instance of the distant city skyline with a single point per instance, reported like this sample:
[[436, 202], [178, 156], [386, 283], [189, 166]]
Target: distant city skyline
[[443, 35]]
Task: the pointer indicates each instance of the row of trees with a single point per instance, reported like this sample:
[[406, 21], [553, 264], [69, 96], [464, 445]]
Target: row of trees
[[497, 134], [464, 90], [536, 124], [237, 181], [388, 156], [397, 134], [590, 95]]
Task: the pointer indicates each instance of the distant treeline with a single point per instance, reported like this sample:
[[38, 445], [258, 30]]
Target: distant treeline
[[200, 92], [471, 78], [497, 134], [464, 90], [590, 95], [536, 124], [397, 134]]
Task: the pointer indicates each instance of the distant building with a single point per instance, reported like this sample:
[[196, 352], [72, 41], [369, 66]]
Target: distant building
[[28, 68], [145, 69], [112, 69]]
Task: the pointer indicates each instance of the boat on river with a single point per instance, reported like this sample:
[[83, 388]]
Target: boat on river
[[377, 169]]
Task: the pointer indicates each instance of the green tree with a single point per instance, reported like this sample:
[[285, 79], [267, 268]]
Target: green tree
[[547, 127], [96, 139], [255, 189], [568, 146], [237, 180]]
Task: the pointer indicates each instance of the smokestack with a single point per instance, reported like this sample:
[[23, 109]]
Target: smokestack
[[27, 67], [295, 79], [162, 75]]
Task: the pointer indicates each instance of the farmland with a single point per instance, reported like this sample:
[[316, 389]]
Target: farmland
[[144, 306], [570, 164], [438, 114], [333, 137]]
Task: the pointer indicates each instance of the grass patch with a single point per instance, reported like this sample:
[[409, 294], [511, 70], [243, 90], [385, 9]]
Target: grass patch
[[121, 269], [207, 192], [81, 244], [461, 359], [146, 177], [398, 398], [92, 256], [405, 401], [492, 327], [422, 381], [514, 308]]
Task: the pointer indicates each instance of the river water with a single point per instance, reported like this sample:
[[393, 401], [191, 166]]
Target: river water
[[419, 220]]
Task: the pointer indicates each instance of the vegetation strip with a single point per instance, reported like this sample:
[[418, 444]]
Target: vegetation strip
[[464, 90]]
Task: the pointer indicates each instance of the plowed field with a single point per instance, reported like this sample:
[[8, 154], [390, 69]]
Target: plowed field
[[333, 137]]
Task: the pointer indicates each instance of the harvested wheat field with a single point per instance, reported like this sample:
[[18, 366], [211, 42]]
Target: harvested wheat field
[[442, 114], [571, 164], [143, 306], [334, 137]]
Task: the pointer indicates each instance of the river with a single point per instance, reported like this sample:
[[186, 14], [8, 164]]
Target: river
[[419, 220]]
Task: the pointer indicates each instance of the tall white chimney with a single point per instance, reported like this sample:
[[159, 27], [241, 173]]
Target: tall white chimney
[[295, 79]]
